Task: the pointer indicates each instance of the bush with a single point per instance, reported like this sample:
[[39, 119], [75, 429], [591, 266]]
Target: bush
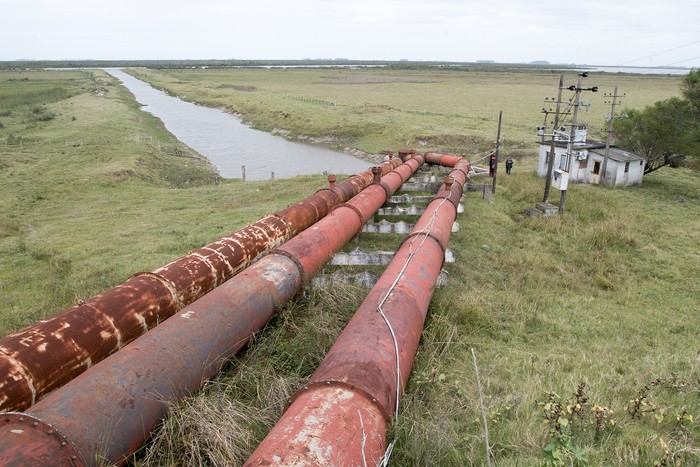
[[39, 114]]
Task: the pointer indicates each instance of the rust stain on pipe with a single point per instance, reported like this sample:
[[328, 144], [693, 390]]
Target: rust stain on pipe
[[311, 437], [108, 411], [46, 355], [363, 361], [28, 434]]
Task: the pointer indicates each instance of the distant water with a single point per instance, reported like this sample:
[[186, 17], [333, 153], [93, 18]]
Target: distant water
[[641, 70], [229, 144]]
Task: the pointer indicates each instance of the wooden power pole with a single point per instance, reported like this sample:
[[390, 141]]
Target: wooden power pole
[[498, 147], [611, 119], [552, 148]]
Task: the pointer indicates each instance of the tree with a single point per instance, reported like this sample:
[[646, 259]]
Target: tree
[[665, 133], [668, 132], [690, 89]]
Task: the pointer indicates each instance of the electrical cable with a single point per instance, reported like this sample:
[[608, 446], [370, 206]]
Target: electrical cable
[[659, 53], [683, 61], [485, 157]]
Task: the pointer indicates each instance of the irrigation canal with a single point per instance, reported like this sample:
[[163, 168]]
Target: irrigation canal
[[230, 144]]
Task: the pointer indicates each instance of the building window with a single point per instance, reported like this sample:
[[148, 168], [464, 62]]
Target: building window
[[596, 167], [627, 167]]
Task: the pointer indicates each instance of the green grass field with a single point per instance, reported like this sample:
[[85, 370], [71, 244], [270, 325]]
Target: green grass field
[[375, 109], [606, 295]]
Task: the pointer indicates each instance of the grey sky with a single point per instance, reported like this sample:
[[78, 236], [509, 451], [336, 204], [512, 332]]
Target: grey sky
[[596, 32]]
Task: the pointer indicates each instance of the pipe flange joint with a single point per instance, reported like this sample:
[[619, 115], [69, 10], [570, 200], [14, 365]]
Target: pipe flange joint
[[334, 190], [287, 223], [30, 428], [342, 384], [387, 189], [448, 197], [432, 236], [354, 208], [168, 285], [297, 263]]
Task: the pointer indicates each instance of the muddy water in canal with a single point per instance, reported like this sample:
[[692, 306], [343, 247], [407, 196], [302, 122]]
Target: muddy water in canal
[[230, 144]]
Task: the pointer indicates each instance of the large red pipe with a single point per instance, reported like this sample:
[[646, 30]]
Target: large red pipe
[[107, 412], [48, 354], [340, 416], [445, 160]]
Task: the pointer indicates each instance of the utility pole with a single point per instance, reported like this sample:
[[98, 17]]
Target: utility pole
[[550, 159], [572, 134], [609, 137], [498, 147]]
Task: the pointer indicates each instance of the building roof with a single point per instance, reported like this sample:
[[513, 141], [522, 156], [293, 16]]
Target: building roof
[[598, 147], [618, 154]]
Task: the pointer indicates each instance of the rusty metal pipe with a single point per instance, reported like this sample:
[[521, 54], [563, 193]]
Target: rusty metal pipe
[[48, 354], [318, 428], [107, 412], [445, 160]]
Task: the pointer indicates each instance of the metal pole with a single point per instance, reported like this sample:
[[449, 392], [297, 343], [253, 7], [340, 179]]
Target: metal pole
[[498, 147], [550, 159]]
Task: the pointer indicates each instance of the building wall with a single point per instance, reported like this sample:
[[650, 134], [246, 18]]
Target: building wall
[[583, 171], [542, 163], [633, 177]]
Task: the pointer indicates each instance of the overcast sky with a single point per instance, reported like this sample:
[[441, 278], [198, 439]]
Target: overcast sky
[[594, 32]]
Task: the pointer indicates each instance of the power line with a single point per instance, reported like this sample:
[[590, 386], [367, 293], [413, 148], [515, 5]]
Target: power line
[[659, 53], [683, 61]]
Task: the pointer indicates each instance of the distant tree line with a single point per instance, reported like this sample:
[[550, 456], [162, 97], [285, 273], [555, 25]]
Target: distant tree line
[[316, 62], [667, 132]]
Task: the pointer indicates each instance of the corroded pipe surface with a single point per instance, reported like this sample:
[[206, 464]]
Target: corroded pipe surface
[[445, 160], [46, 355], [364, 364], [107, 412]]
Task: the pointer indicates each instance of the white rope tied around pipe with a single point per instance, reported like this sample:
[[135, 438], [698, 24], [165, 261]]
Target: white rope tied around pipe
[[384, 461], [485, 157]]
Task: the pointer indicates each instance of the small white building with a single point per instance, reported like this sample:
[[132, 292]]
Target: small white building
[[624, 168]]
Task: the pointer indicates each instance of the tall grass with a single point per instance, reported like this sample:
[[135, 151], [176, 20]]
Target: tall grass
[[30, 97]]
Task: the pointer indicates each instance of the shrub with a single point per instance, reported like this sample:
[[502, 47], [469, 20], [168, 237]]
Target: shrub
[[41, 117]]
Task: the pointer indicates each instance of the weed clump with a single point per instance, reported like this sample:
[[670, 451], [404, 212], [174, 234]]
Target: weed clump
[[613, 233]]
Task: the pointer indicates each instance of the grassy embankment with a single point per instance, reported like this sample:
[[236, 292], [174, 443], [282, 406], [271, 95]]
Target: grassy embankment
[[95, 190], [374, 109], [606, 295]]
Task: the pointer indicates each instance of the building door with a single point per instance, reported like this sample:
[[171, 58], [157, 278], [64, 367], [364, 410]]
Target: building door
[[595, 173]]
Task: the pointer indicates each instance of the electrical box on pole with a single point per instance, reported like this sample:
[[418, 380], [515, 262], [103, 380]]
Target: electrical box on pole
[[560, 179]]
